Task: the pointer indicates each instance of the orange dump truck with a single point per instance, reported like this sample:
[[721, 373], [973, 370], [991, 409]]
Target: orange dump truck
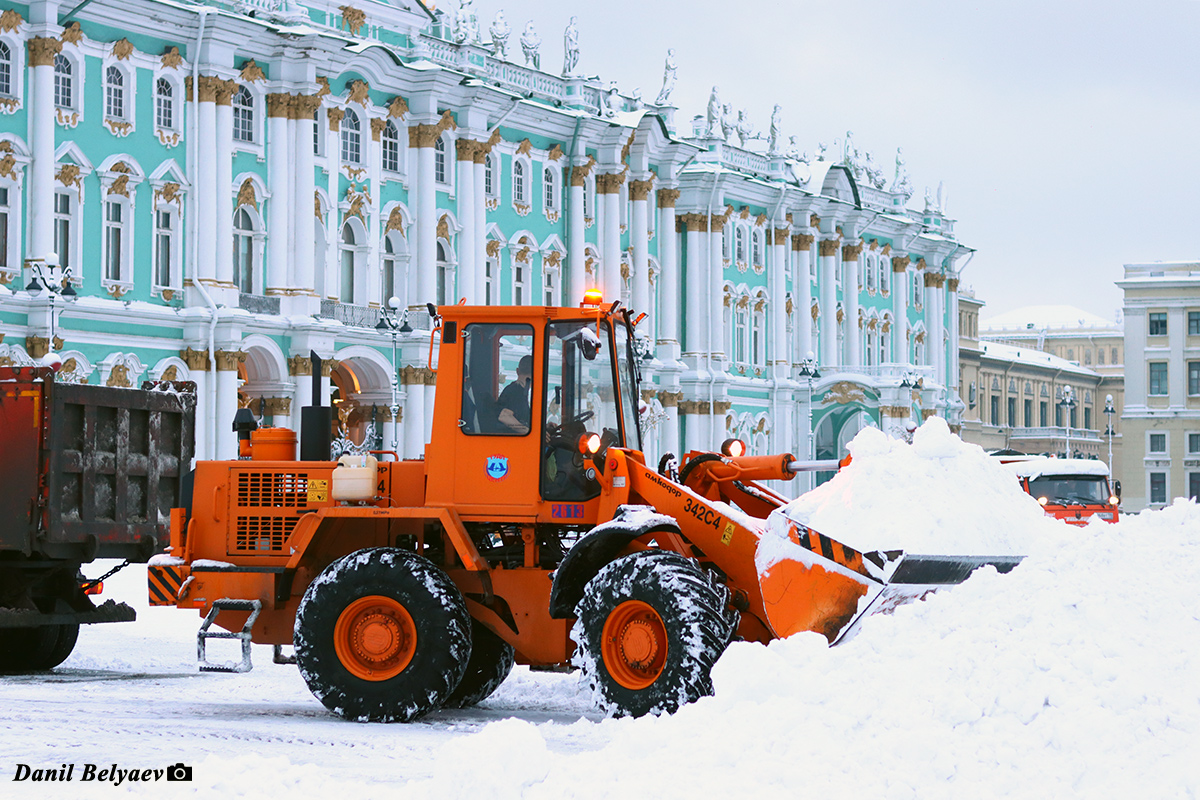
[[1071, 489], [533, 531]]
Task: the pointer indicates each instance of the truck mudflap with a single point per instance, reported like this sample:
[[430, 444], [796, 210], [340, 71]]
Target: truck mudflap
[[108, 611], [810, 582]]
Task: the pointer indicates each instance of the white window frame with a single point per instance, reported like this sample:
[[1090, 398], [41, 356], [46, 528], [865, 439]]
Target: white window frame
[[124, 278], [400, 258], [447, 153], [520, 280], [74, 218], [171, 135], [175, 245], [758, 334], [1149, 382], [384, 141], [14, 227], [589, 200], [491, 280], [350, 137], [116, 99], [551, 294], [257, 241], [358, 258], [551, 191], [1158, 454], [16, 71], [1166, 473], [258, 120], [320, 132], [1187, 443], [756, 247], [525, 183], [491, 175], [446, 274], [741, 249], [70, 116]]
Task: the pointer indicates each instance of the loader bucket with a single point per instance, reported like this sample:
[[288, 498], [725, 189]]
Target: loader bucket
[[810, 582]]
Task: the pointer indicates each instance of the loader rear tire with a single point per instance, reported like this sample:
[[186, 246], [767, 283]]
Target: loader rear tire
[[36, 649], [492, 660], [382, 635], [650, 627]]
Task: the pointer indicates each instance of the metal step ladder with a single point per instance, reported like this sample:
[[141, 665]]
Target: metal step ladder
[[227, 604]]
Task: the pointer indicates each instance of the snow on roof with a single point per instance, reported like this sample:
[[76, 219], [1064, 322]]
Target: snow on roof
[[1031, 356], [1055, 317], [1035, 466]]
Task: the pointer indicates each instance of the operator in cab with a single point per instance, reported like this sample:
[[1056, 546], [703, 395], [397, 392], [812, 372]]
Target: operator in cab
[[514, 400]]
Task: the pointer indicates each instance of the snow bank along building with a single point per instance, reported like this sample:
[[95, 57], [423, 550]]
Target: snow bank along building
[[227, 186], [1038, 379], [1162, 406]]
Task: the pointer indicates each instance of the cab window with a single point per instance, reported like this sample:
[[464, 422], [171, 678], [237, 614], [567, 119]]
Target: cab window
[[497, 379]]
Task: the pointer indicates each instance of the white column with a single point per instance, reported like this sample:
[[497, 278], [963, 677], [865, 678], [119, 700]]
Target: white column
[[426, 227], [279, 235], [802, 292], [302, 395], [952, 379], [850, 254], [639, 226], [304, 190], [668, 287], [329, 262], [414, 413], [480, 187], [716, 289], [696, 339], [828, 288], [40, 192], [900, 290], [227, 401], [200, 377], [576, 255], [932, 344], [670, 428], [205, 202], [467, 265], [777, 311], [224, 182], [608, 191]]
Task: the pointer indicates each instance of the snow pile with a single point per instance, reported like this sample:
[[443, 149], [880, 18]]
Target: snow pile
[[1072, 676], [938, 495]]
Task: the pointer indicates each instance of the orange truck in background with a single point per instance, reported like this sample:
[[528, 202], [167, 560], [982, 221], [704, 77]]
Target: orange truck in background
[[1071, 489]]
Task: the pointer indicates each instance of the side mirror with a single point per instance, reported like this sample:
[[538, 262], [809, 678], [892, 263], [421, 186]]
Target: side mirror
[[1117, 490]]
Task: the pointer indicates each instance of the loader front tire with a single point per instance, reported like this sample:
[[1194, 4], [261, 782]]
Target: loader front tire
[[382, 635], [492, 660], [650, 627]]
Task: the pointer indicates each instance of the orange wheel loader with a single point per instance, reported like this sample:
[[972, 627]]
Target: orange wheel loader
[[532, 532]]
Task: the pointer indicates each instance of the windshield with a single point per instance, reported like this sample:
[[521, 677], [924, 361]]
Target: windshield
[[1070, 489], [630, 402]]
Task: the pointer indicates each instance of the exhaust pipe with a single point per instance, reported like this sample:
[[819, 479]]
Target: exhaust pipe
[[316, 420]]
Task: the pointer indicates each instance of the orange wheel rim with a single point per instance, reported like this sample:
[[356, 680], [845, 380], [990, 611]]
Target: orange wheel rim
[[634, 644], [375, 638]]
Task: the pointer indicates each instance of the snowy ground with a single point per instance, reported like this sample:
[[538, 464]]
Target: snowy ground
[[1076, 675]]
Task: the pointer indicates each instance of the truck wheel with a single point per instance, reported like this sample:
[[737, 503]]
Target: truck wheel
[[491, 661], [36, 649], [650, 627], [382, 635]]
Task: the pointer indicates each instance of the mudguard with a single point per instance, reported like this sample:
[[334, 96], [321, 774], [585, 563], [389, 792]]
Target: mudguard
[[600, 546]]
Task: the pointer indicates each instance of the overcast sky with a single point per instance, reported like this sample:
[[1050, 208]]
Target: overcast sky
[[1065, 132]]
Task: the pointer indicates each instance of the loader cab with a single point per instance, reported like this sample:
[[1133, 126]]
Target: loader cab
[[522, 394]]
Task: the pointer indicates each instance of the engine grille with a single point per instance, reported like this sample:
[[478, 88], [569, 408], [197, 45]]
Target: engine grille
[[272, 489], [263, 510]]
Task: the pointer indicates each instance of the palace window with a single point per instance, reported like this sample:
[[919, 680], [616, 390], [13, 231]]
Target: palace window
[[489, 176], [348, 248], [1158, 323], [740, 245], [389, 272], [164, 104], [391, 147], [742, 326], [1158, 487], [756, 248], [243, 250], [550, 286], [520, 287], [1193, 377], [62, 228], [6, 66], [1194, 323], [318, 150], [164, 245], [64, 85], [758, 344], [439, 160], [114, 93], [491, 268], [518, 183], [243, 115], [115, 252], [549, 189], [445, 276], [351, 139]]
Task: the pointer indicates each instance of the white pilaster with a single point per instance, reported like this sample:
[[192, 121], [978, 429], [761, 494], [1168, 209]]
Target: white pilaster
[[467, 265], [850, 255], [696, 337], [304, 220], [224, 187], [576, 259], [777, 311], [610, 234], [900, 289], [802, 294], [41, 144], [829, 254], [639, 236], [668, 287], [279, 233]]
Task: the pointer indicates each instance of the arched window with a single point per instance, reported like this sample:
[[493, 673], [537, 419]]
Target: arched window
[[869, 350], [550, 286], [728, 327], [520, 282], [491, 269], [727, 243], [589, 190], [346, 282], [916, 289], [389, 271], [756, 248], [114, 239], [64, 86], [758, 341], [884, 268], [445, 276], [317, 129], [243, 250], [351, 138], [5, 70], [391, 147], [439, 160], [518, 187], [740, 242], [550, 194], [164, 104], [1100, 356], [871, 275], [114, 93], [489, 176], [742, 325], [243, 115]]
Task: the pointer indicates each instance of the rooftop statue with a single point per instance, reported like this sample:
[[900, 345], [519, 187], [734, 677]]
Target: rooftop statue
[[570, 48], [530, 42], [874, 173], [773, 137], [500, 32], [793, 151], [744, 130], [466, 23], [613, 102], [900, 181], [728, 123], [668, 86], [712, 127], [821, 148]]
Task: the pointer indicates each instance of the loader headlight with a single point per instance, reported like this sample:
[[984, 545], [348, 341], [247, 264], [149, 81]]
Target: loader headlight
[[733, 448], [1043, 500], [1112, 501], [589, 443]]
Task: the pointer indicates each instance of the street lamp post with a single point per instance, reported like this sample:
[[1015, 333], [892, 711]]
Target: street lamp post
[[1066, 402], [46, 275], [1109, 411], [393, 319]]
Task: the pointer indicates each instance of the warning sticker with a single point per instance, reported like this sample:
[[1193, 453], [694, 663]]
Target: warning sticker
[[318, 491], [727, 535]]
